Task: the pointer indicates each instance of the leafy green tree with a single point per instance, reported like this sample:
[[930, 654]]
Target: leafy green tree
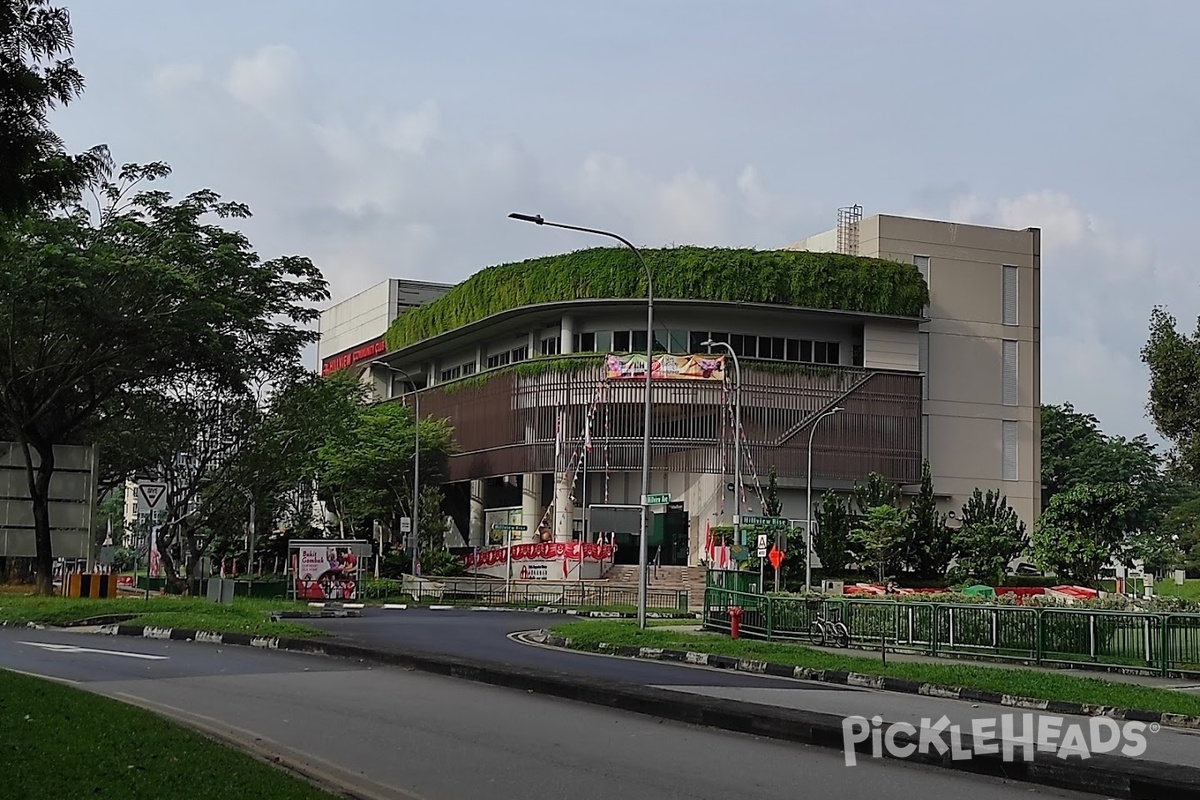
[[831, 540], [928, 545], [368, 471], [878, 537], [1083, 529], [1182, 525], [877, 491], [435, 558], [773, 506], [1174, 362], [1076, 452], [35, 77], [151, 296], [990, 536]]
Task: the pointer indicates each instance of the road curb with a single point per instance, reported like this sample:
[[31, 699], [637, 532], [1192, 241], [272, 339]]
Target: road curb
[[569, 612], [879, 682], [1101, 773]]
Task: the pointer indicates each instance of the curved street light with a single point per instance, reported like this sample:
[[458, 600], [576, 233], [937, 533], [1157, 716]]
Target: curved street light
[[643, 545], [737, 439], [416, 498], [808, 548]]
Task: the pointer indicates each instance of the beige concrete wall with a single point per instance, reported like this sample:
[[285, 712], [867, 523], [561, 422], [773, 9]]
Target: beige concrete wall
[[357, 319], [890, 345], [966, 406]]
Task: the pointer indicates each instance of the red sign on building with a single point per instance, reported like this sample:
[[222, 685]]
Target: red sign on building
[[348, 358]]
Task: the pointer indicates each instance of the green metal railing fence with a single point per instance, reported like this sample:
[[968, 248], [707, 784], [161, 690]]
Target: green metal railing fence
[[524, 595], [1168, 643]]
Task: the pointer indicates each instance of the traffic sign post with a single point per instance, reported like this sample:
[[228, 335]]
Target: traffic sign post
[[776, 557], [762, 563], [508, 528], [153, 493], [769, 523]]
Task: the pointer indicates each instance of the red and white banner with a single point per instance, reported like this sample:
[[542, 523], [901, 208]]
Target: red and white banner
[[540, 551]]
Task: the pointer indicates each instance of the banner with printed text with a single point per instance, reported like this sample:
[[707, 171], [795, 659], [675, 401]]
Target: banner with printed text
[[702, 367], [325, 572]]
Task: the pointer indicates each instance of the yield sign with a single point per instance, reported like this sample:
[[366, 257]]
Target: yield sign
[[776, 557], [152, 493]]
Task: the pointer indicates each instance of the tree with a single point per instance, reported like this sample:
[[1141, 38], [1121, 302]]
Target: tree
[[1174, 362], [991, 535], [831, 541], [1083, 529], [877, 491], [35, 169], [148, 296], [367, 472], [773, 506], [1076, 452], [435, 558], [928, 545], [879, 537], [1182, 525]]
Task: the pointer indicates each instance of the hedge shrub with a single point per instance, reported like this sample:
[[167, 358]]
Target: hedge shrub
[[794, 278]]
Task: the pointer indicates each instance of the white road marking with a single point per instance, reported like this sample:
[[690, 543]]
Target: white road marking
[[70, 648]]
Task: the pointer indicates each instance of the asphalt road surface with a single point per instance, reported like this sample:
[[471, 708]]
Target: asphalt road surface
[[483, 635], [400, 734]]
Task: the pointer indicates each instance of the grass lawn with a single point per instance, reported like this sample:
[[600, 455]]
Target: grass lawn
[[65, 742], [588, 634], [246, 615]]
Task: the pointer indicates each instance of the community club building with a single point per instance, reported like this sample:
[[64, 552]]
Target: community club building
[[924, 334]]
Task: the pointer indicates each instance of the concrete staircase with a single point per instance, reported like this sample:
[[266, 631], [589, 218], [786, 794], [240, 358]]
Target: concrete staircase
[[662, 579]]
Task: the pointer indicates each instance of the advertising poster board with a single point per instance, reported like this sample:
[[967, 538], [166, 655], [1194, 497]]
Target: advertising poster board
[[327, 569], [702, 367]]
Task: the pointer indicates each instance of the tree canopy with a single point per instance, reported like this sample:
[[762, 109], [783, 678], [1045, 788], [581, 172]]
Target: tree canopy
[[36, 76], [143, 298]]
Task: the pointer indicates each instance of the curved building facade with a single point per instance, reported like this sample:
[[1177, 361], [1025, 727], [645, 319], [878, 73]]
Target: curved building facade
[[546, 398]]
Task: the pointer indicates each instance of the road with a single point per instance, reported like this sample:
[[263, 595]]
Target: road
[[415, 736], [483, 635]]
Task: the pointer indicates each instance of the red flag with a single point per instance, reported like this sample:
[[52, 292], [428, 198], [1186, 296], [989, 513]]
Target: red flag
[[566, 565]]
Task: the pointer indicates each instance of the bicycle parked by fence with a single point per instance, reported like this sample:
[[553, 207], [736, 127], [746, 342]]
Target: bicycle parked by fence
[[824, 631]]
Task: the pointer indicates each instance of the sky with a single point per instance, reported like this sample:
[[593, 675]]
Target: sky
[[388, 138]]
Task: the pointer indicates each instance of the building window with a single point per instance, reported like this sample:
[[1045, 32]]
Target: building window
[[925, 437], [857, 354], [621, 342], [1010, 372], [923, 363], [452, 373], [922, 265], [768, 348], [1010, 295], [520, 353], [498, 360], [1010, 450], [551, 346], [469, 368], [677, 343]]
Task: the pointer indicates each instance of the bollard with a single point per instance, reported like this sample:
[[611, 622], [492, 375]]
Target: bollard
[[735, 622]]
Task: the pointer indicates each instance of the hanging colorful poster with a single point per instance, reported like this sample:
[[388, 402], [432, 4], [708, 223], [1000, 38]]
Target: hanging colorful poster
[[326, 570], [699, 367]]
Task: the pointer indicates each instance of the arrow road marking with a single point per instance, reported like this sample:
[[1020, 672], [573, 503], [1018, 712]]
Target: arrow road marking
[[70, 648]]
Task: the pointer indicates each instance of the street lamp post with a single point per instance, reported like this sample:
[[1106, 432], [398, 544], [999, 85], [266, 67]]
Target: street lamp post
[[643, 544], [416, 496], [808, 549], [737, 438]]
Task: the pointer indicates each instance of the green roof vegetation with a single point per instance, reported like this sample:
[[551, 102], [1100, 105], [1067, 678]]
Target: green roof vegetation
[[786, 277]]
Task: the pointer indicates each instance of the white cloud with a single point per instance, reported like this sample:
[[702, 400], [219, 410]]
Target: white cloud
[[1099, 284], [264, 78], [409, 133], [169, 80]]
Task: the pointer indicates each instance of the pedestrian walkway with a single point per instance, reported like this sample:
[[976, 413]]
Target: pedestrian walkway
[[1190, 685]]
